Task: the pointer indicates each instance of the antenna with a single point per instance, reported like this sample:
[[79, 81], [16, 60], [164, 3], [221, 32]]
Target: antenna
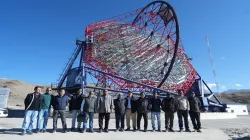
[[212, 64]]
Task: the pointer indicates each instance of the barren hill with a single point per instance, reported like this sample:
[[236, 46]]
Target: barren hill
[[238, 97], [18, 91]]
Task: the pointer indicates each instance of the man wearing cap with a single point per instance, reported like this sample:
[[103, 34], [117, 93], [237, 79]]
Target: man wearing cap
[[155, 111], [130, 106], [194, 111], [183, 111], [169, 106], [119, 104], [143, 107]]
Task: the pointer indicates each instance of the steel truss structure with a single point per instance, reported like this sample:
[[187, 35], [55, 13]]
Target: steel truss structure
[[138, 51]]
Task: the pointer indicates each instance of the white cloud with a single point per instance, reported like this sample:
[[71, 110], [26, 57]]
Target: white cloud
[[223, 58], [223, 87], [211, 85], [238, 85]]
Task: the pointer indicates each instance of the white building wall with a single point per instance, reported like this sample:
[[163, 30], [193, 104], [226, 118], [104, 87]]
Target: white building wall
[[237, 109]]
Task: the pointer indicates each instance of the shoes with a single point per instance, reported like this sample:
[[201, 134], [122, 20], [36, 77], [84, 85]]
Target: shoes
[[84, 130], [187, 130], [116, 130], [23, 133], [128, 129], [181, 130], [29, 132], [91, 130], [38, 131], [134, 130], [100, 130], [145, 130], [121, 129], [54, 131], [198, 130], [106, 130], [171, 130], [64, 131], [159, 130], [72, 129], [153, 130], [43, 131]]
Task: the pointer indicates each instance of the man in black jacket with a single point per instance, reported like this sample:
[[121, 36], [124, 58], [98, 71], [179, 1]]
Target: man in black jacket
[[156, 111], [88, 107], [169, 106], [130, 106], [194, 111], [59, 104], [143, 107], [33, 102], [119, 104], [75, 106]]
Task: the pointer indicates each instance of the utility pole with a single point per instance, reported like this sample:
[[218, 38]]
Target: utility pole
[[212, 64]]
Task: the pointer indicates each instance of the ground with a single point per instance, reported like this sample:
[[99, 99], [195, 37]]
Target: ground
[[212, 130]]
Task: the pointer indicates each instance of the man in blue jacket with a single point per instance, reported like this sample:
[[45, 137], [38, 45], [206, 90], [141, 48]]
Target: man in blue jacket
[[59, 104], [32, 103]]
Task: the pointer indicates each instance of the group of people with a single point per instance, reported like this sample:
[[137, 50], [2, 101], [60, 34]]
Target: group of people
[[38, 105]]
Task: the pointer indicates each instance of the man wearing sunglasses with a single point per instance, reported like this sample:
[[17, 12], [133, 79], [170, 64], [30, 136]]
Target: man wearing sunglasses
[[45, 111]]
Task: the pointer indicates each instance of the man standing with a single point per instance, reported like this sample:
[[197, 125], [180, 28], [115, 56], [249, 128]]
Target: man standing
[[88, 107], [59, 104], [194, 112], [105, 106], [75, 106], [32, 103], [142, 110], [156, 111], [169, 106], [45, 111], [119, 112], [130, 105], [183, 111]]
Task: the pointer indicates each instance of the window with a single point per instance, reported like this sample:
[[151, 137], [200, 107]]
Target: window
[[232, 111]]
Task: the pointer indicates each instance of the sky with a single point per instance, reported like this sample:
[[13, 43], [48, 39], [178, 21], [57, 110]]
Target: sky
[[37, 37]]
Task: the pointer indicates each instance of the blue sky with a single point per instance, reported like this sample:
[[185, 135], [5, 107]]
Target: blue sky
[[36, 38]]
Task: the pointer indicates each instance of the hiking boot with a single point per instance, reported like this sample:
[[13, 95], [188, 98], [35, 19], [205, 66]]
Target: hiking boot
[[187, 130], [171, 130]]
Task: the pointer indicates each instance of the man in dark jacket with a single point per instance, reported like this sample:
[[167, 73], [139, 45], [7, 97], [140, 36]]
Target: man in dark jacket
[[105, 105], [88, 107], [44, 112], [33, 102], [155, 111], [119, 104], [130, 106], [75, 106], [169, 106], [59, 104], [194, 111], [143, 107]]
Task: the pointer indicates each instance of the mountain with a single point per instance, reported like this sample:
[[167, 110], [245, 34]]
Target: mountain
[[236, 90]]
